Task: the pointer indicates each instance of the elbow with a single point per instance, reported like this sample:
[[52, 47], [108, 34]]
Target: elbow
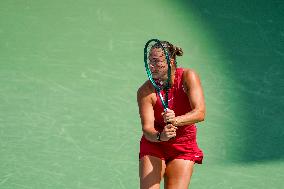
[[201, 116], [147, 133], [145, 130]]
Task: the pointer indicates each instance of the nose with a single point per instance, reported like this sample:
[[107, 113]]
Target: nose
[[152, 68]]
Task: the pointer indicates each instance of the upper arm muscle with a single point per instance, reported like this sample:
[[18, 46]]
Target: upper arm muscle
[[194, 90], [145, 104]]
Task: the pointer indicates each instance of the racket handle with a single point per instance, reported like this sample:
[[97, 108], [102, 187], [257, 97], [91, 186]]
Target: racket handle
[[169, 123], [172, 137], [165, 110]]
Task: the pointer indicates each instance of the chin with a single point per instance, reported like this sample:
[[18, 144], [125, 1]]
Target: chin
[[159, 77], [154, 76]]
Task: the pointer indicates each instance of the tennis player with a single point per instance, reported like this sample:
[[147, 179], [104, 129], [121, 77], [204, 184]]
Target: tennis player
[[168, 147]]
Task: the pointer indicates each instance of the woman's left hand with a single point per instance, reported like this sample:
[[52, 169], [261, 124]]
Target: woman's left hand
[[169, 116]]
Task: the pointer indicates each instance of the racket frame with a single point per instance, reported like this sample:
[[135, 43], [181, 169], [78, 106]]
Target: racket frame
[[149, 74]]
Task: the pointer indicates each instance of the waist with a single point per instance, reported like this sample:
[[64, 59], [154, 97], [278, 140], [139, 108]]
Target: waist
[[181, 131], [185, 135]]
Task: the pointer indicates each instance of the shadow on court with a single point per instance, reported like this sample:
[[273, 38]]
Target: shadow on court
[[252, 37]]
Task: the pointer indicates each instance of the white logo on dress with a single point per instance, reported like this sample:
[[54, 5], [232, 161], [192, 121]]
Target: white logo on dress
[[170, 99]]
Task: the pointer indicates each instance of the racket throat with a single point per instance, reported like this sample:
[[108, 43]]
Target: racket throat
[[162, 84]]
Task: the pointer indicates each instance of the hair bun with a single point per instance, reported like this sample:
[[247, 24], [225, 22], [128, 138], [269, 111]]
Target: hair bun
[[178, 51]]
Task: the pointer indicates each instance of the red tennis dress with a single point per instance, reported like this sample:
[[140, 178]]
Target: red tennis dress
[[184, 145]]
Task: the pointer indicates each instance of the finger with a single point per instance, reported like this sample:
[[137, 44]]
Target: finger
[[169, 113], [169, 110], [171, 136], [173, 129], [168, 126], [170, 130], [169, 133], [171, 126], [171, 119], [173, 122]]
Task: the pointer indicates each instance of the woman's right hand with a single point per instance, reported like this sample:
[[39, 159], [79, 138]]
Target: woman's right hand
[[168, 132]]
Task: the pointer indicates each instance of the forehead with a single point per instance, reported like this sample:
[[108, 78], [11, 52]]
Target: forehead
[[157, 53]]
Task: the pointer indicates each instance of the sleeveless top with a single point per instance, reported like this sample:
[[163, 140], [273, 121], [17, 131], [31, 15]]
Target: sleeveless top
[[178, 102]]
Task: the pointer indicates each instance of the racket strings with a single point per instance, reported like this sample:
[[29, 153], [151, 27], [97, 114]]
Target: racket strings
[[157, 64], [158, 68]]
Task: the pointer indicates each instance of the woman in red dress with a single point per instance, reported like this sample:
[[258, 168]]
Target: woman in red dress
[[168, 147]]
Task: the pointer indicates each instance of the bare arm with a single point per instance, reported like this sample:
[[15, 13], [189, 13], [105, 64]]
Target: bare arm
[[195, 95], [146, 112]]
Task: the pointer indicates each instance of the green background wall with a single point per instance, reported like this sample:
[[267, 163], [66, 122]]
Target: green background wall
[[69, 72]]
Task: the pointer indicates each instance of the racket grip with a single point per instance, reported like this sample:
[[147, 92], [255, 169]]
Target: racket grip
[[172, 137]]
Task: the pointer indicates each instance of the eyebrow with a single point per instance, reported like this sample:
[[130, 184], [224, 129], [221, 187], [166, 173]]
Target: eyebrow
[[157, 57]]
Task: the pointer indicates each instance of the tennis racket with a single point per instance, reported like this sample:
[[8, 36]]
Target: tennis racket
[[157, 61]]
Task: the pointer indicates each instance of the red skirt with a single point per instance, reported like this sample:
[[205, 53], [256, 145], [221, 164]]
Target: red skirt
[[183, 146]]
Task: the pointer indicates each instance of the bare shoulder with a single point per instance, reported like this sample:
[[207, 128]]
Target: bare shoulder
[[189, 75], [145, 90]]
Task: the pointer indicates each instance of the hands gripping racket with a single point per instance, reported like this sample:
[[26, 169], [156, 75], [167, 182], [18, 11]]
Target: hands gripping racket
[[158, 68]]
